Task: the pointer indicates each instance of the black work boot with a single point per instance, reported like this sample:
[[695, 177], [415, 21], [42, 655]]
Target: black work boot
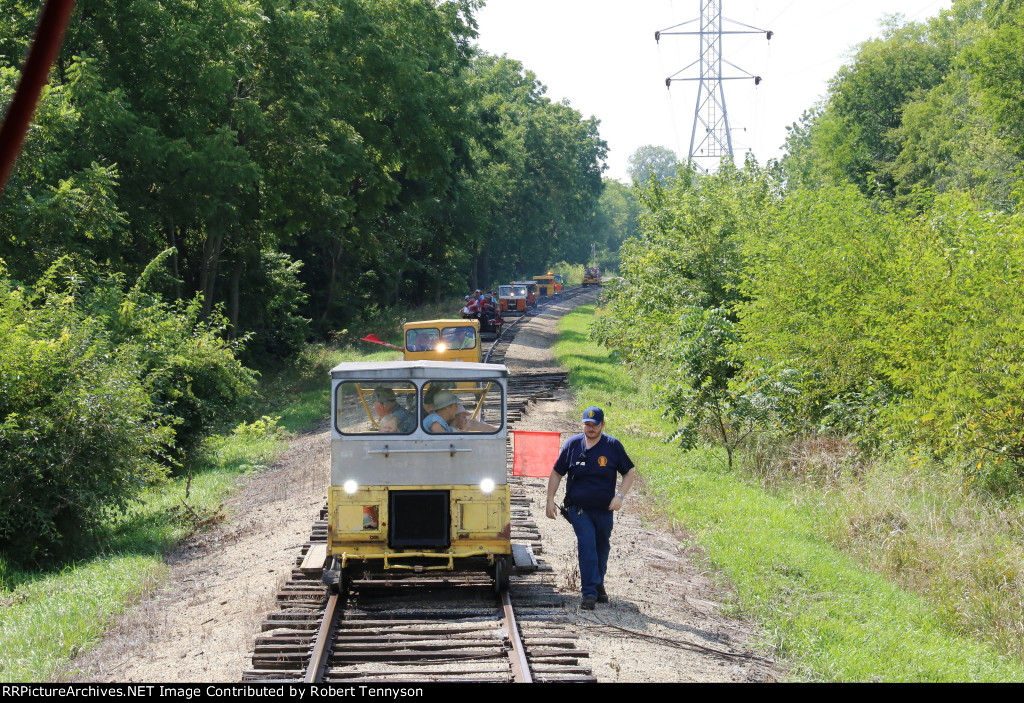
[[588, 603], [602, 595]]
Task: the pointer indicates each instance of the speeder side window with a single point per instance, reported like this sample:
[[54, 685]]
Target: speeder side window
[[461, 337], [421, 340], [463, 407], [363, 407]]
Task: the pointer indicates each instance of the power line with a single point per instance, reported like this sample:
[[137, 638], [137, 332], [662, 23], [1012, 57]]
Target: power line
[[711, 137]]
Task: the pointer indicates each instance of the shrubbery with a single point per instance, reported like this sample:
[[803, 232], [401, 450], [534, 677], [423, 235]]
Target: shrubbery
[[102, 391], [823, 311]]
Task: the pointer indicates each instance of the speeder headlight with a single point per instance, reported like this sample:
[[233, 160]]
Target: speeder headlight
[[350, 487], [487, 485]]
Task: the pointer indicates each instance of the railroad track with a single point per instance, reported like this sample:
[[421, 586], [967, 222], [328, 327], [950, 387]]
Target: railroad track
[[427, 627], [457, 637], [420, 627], [495, 352]]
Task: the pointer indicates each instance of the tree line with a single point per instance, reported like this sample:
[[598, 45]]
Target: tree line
[[207, 186], [364, 151], [866, 286]]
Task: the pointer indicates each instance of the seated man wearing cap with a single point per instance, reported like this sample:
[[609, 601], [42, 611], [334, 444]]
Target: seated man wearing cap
[[393, 417], [461, 419], [443, 408], [592, 460]]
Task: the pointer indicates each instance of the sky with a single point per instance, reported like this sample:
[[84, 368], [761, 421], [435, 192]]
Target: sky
[[601, 56]]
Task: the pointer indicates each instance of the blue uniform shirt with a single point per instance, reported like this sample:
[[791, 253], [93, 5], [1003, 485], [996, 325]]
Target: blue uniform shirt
[[592, 471]]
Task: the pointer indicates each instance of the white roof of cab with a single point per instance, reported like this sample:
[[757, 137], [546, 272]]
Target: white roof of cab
[[417, 369]]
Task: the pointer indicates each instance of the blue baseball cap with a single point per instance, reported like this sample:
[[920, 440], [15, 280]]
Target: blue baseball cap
[[594, 415]]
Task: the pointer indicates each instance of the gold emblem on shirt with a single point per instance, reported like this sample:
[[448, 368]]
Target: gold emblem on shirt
[[602, 460]]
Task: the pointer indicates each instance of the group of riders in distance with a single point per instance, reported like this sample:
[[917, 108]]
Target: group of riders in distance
[[483, 307], [516, 298]]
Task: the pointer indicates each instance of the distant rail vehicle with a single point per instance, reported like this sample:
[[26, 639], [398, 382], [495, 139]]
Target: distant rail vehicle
[[418, 471], [442, 340], [545, 284], [531, 292], [512, 299]]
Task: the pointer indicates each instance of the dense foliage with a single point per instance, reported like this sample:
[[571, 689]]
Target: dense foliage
[[364, 139], [867, 286], [101, 389]]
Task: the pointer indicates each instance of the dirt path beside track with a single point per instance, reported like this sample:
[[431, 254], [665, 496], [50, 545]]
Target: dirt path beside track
[[664, 623]]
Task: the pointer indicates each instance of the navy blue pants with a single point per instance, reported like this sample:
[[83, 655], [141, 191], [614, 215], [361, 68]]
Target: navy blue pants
[[593, 538]]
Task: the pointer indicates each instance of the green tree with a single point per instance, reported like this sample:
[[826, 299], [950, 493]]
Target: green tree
[[673, 314], [996, 63], [688, 256], [617, 219], [658, 162], [948, 143], [536, 176], [851, 136]]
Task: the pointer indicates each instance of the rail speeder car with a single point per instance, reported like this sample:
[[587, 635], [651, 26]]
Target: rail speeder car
[[408, 492], [442, 340]]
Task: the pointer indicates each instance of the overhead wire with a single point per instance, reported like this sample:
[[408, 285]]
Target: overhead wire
[[757, 103], [669, 96], [924, 9]]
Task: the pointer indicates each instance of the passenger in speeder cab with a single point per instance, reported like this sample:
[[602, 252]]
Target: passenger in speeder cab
[[393, 417], [431, 390], [462, 419], [423, 342], [465, 422], [443, 408], [460, 338]]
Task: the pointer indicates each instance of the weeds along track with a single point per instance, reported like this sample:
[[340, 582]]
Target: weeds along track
[[426, 627]]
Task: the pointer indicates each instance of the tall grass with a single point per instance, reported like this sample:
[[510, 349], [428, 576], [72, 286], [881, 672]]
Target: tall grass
[[47, 619], [827, 612], [927, 531]]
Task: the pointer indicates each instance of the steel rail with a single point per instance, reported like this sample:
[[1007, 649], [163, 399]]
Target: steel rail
[[497, 340], [318, 659], [565, 295], [517, 651]]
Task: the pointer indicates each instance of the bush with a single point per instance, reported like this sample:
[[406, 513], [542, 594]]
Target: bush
[[79, 436], [101, 391], [904, 328], [190, 370], [277, 331], [572, 274]]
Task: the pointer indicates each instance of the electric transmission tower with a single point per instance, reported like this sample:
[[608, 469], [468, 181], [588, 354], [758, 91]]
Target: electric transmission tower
[[711, 138]]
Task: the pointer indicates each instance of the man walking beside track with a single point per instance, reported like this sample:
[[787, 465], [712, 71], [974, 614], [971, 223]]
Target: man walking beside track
[[591, 459]]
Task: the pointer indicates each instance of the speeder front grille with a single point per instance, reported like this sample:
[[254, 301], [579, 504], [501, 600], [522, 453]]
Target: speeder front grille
[[419, 519]]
